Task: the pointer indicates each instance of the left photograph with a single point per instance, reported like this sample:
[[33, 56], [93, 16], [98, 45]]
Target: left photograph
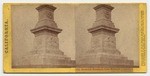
[[43, 36]]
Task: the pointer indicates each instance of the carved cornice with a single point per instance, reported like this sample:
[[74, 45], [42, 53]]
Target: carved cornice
[[46, 6], [97, 28], [103, 5], [56, 30]]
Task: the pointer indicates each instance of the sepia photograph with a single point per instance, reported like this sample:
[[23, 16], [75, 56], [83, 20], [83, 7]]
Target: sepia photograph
[[43, 36], [107, 35], [84, 35]]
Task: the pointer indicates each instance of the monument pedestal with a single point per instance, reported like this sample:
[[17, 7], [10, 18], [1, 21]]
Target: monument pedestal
[[46, 52], [103, 52], [104, 60]]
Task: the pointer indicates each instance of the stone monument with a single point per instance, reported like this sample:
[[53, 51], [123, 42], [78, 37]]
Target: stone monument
[[46, 52], [103, 52]]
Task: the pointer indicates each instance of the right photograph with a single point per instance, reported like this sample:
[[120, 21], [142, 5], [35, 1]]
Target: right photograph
[[106, 35]]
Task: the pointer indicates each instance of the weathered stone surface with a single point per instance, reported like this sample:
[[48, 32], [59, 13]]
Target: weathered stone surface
[[103, 52], [103, 15], [100, 59], [46, 16]]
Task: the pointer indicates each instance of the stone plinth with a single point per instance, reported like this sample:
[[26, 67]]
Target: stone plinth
[[103, 52], [46, 52]]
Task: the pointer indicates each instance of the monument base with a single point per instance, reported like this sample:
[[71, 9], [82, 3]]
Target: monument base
[[46, 61], [104, 60]]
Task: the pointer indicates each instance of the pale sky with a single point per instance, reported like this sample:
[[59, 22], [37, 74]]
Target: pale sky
[[74, 20]]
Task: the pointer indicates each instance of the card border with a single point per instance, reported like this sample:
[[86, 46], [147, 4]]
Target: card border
[[7, 45]]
